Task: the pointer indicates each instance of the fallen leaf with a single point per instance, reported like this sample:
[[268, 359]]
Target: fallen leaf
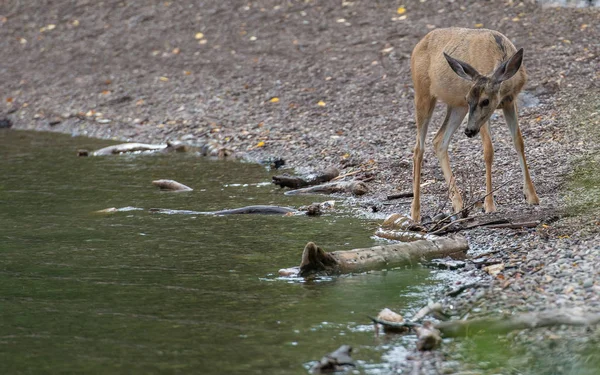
[[187, 72], [516, 19], [494, 269], [202, 41], [105, 92], [139, 102], [401, 10], [164, 79], [47, 28], [478, 25], [569, 289], [22, 40], [199, 35], [9, 100], [321, 103], [252, 38], [176, 51], [274, 100], [260, 144], [75, 23]]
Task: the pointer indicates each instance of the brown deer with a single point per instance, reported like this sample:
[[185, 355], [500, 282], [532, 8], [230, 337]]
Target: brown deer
[[474, 71]]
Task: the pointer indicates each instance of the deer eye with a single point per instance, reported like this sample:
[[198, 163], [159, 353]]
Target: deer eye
[[484, 103]]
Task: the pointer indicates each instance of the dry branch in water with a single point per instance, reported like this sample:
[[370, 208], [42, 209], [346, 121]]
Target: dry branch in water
[[171, 185], [139, 147], [295, 182], [354, 187]]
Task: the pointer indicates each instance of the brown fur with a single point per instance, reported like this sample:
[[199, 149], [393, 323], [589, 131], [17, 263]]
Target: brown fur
[[474, 72]]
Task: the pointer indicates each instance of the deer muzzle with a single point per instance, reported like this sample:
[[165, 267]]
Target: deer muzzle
[[471, 132]]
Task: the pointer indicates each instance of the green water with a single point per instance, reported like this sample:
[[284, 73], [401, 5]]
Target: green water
[[138, 293]]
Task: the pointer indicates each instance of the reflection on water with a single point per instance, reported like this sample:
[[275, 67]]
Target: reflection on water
[[135, 292]]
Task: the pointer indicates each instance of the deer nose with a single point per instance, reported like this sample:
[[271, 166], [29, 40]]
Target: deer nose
[[470, 132]]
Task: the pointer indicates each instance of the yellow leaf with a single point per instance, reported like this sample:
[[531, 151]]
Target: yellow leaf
[[260, 144], [75, 23], [516, 19], [345, 156], [321, 103], [274, 100], [199, 35], [164, 79], [478, 25], [187, 72], [401, 10]]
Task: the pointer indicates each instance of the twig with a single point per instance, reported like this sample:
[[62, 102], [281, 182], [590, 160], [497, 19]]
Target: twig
[[449, 224], [406, 194], [353, 173]]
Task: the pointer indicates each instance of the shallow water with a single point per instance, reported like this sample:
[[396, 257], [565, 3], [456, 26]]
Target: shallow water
[[135, 292]]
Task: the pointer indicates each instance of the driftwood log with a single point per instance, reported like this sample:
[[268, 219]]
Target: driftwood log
[[317, 261], [295, 182], [171, 185], [258, 209], [354, 187], [138, 147]]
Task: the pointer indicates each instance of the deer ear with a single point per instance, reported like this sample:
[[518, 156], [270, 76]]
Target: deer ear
[[508, 68], [463, 69]]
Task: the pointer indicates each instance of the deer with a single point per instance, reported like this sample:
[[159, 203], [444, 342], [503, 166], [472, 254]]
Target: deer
[[474, 72]]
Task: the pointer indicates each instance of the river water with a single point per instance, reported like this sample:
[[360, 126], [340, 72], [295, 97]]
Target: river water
[[135, 292]]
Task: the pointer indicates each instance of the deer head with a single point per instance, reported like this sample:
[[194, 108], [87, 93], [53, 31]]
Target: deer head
[[484, 96]]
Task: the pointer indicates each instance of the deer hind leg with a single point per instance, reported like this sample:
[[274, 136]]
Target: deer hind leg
[[488, 156], [441, 141], [510, 115], [424, 106]]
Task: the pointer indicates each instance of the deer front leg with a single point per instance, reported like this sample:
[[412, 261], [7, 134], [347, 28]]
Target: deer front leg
[[488, 156], [441, 141], [424, 109], [510, 115]]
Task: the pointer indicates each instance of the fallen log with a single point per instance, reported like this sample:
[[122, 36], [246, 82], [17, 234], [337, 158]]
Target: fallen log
[[354, 187], [139, 147], [571, 317], [404, 236], [295, 182], [171, 185], [317, 261]]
